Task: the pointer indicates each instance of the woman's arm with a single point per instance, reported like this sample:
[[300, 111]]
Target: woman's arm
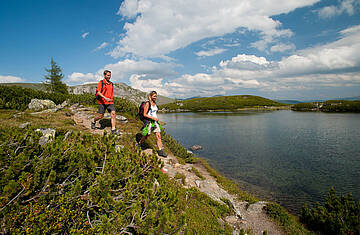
[[146, 110]]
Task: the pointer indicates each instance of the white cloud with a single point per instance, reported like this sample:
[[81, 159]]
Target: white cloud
[[211, 52], [81, 78], [147, 85], [10, 79], [335, 64], [283, 47], [102, 45], [346, 6], [84, 35], [124, 69], [163, 26], [146, 68]]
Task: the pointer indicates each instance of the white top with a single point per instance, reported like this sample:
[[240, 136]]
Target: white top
[[152, 111]]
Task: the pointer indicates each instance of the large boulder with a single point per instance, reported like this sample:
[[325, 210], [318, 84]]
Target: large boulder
[[38, 105]]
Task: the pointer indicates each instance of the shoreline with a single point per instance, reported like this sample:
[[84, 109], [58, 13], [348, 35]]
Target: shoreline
[[255, 108]]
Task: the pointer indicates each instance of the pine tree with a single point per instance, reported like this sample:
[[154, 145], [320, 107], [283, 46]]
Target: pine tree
[[53, 79]]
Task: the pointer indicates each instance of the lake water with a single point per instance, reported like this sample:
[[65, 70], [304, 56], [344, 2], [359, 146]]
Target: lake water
[[285, 156]]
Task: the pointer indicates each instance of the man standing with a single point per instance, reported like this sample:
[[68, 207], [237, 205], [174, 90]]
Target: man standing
[[104, 92]]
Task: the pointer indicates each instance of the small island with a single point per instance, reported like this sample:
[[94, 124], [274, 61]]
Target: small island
[[223, 103]]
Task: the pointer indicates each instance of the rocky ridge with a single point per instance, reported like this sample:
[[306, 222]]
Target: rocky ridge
[[120, 90]]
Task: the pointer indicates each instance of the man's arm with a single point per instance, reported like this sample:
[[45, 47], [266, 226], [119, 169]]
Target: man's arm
[[99, 93]]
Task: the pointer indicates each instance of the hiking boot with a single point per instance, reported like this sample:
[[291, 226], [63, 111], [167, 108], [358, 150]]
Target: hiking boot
[[161, 153], [115, 132], [92, 125], [138, 146]]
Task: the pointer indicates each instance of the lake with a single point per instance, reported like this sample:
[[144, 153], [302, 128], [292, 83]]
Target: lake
[[284, 156]]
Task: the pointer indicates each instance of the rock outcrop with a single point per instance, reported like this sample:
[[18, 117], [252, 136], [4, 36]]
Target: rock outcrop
[[48, 135], [38, 105], [120, 90], [196, 147]]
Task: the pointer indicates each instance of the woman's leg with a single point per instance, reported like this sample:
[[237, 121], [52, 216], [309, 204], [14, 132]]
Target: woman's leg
[[143, 139], [158, 140]]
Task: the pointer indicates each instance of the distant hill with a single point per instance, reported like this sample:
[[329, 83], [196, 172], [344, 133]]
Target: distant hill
[[35, 86], [329, 106], [349, 98], [288, 101], [120, 90], [219, 103]]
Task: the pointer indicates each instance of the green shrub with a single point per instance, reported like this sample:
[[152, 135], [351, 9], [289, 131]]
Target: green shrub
[[337, 216], [84, 185], [14, 97], [289, 222]]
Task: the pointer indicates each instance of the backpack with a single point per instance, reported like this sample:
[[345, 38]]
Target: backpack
[[141, 110]]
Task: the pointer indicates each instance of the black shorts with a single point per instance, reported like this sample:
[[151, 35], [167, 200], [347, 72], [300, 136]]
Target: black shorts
[[103, 107]]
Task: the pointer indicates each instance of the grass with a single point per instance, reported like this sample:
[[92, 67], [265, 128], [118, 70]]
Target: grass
[[197, 173], [181, 177], [47, 120]]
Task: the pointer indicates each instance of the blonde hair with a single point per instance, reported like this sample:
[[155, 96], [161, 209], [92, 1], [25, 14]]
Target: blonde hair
[[151, 94]]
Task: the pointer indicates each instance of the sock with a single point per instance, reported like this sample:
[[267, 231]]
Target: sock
[[113, 128]]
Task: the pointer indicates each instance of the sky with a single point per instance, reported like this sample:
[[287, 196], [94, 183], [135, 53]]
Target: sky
[[278, 49]]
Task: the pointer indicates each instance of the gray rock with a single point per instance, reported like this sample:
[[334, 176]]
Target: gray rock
[[257, 207], [118, 117], [67, 135], [48, 135], [118, 148], [156, 184], [16, 115], [45, 111], [22, 126], [38, 105], [61, 106], [198, 183], [196, 147]]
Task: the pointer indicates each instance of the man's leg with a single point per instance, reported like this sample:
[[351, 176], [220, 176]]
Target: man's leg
[[98, 116], [113, 120]]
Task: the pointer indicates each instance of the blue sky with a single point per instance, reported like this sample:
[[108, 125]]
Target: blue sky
[[304, 49]]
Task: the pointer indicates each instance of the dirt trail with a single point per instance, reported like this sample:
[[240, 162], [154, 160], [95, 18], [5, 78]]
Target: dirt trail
[[247, 216]]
